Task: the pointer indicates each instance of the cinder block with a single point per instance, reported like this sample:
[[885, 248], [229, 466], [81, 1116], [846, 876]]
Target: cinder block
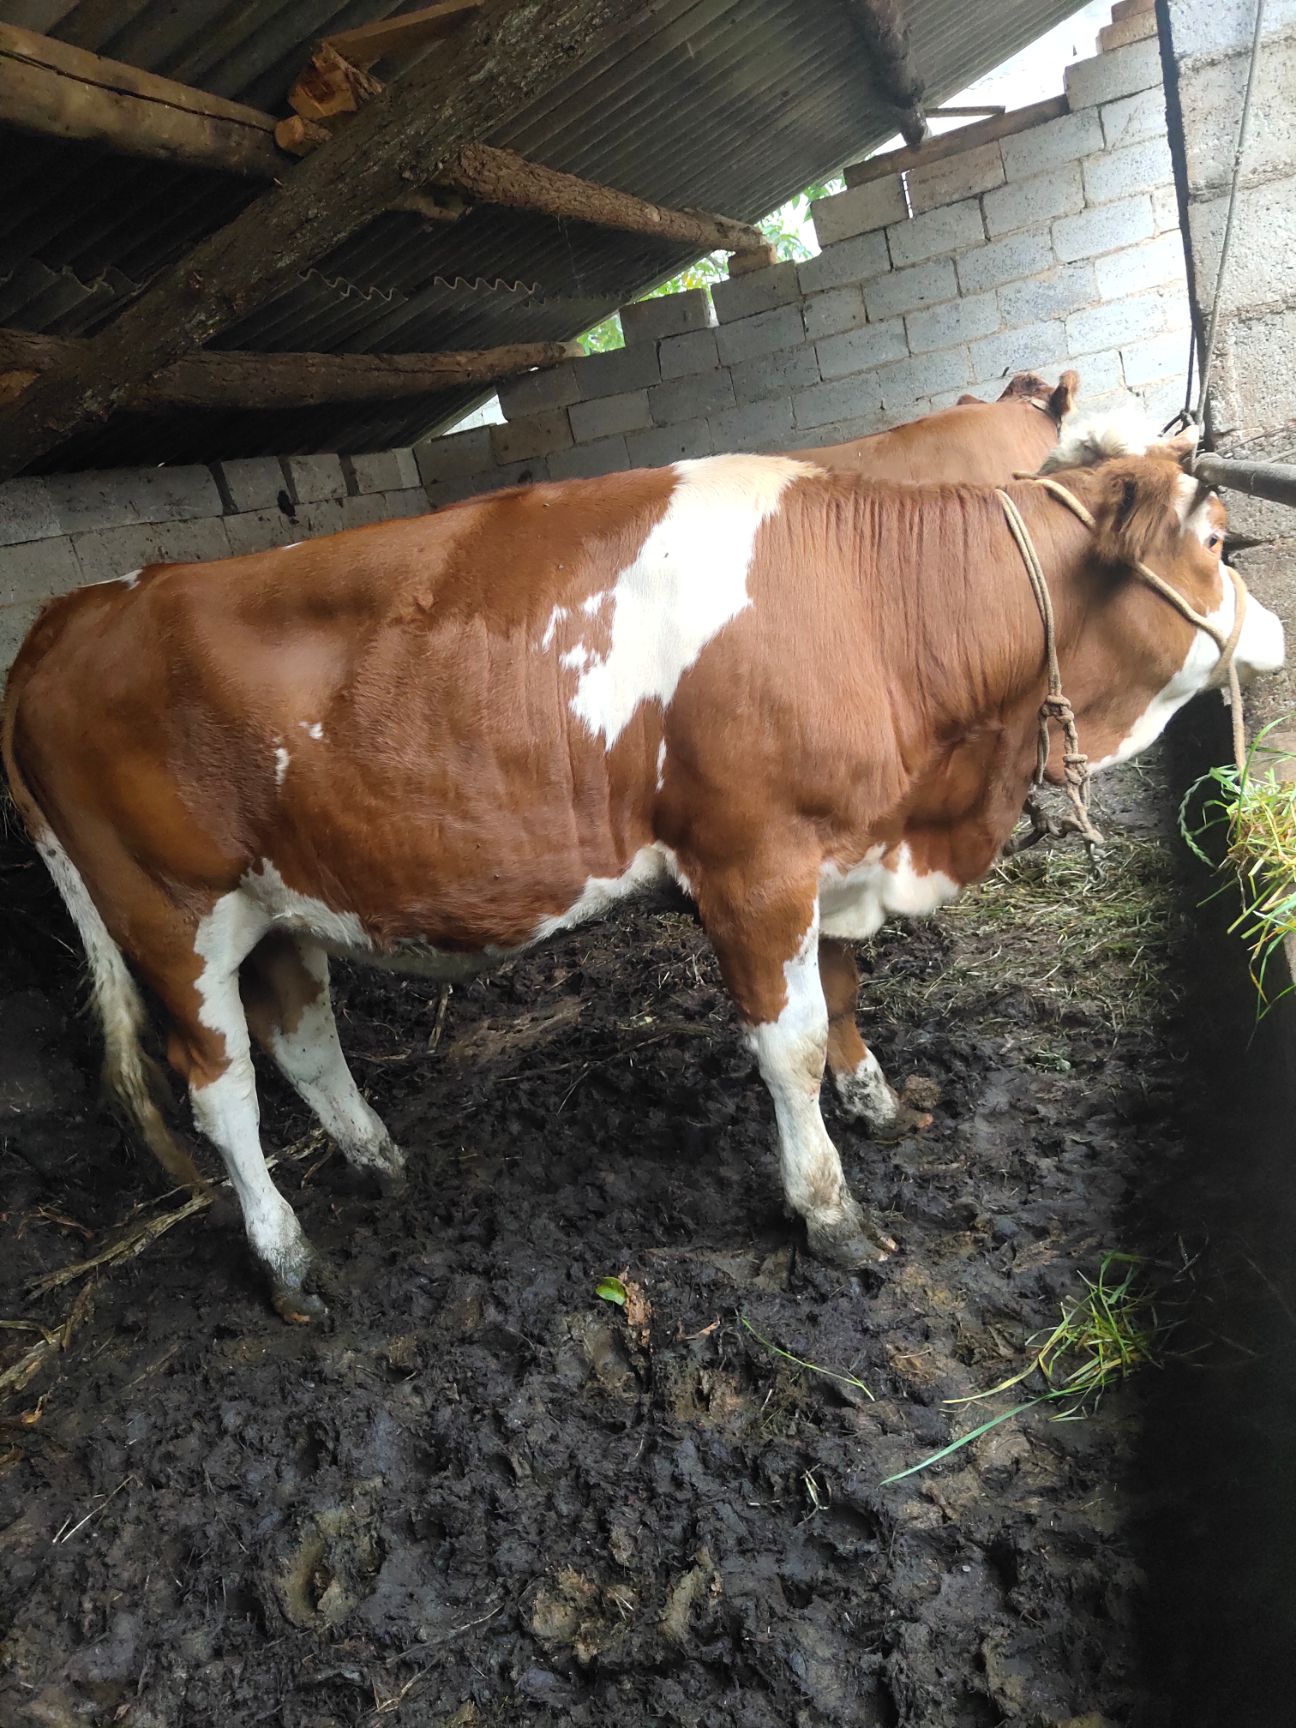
[[766, 333], [363, 508], [909, 290], [1134, 118], [1211, 97], [400, 501], [1123, 72], [1116, 323], [839, 431], [520, 440], [15, 622], [1123, 173], [862, 350], [36, 570], [259, 530], [702, 393], [860, 210], [907, 381], [1040, 148], [666, 444], [1218, 26], [1152, 357], [454, 454], [774, 374], [1165, 210], [954, 322], [608, 456], [1122, 30], [107, 553], [1260, 361], [754, 292], [250, 483], [532, 393], [824, 405], [1003, 261], [1151, 264], [949, 229], [98, 499], [490, 480], [1100, 373], [316, 518], [605, 416], [1106, 229], [1035, 202], [27, 512], [693, 352], [858, 260], [614, 373], [381, 471], [1021, 350], [314, 478], [1062, 290], [647, 321], [980, 169], [837, 310], [755, 426]]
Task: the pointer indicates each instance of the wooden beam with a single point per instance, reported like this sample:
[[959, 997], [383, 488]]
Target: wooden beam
[[507, 57], [54, 90], [370, 43], [491, 176], [884, 32], [954, 143], [220, 379]]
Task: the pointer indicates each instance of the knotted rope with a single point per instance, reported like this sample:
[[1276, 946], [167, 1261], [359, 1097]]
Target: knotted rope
[[1057, 710]]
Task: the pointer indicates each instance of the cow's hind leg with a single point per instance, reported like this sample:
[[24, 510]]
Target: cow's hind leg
[[768, 952], [864, 1090], [285, 985]]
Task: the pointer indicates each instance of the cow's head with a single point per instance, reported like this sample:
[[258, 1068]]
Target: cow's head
[[1055, 399], [1135, 659]]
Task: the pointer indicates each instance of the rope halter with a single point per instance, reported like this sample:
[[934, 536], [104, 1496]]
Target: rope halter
[[1057, 710]]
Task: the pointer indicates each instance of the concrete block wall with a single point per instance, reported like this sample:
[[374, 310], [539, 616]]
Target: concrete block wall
[[68, 530], [1252, 406], [1057, 245]]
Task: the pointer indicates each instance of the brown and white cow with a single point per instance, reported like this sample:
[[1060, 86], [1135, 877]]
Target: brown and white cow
[[981, 444], [806, 700]]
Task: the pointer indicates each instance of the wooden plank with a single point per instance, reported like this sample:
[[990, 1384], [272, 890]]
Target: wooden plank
[[366, 45], [506, 58], [955, 143], [493, 176], [234, 380], [52, 89]]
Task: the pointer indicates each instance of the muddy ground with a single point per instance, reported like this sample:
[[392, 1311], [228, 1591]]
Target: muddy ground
[[483, 1495]]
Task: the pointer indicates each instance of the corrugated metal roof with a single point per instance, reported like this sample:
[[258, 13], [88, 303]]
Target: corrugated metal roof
[[729, 105]]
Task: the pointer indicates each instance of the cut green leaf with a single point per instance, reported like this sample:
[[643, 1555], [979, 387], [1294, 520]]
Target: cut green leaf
[[611, 1290]]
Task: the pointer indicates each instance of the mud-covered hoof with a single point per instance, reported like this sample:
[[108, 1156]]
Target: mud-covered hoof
[[300, 1301], [852, 1241], [391, 1183], [906, 1121]]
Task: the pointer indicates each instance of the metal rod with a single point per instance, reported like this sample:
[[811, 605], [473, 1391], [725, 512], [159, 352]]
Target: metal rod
[[1275, 481]]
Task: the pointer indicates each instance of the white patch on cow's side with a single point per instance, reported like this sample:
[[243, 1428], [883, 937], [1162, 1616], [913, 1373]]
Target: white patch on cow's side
[[1260, 648], [310, 1058], [225, 1109], [556, 617], [688, 581], [865, 1092], [283, 907], [595, 602], [311, 728], [577, 658], [855, 903], [650, 866], [282, 759], [661, 764]]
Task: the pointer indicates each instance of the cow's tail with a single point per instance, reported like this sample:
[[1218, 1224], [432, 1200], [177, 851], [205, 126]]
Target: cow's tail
[[131, 1077]]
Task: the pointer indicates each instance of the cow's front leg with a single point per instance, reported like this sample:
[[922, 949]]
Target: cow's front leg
[[864, 1090], [768, 953]]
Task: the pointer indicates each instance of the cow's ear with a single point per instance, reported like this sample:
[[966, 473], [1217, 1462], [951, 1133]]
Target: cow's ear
[[1181, 448], [1063, 397], [1136, 508], [968, 402]]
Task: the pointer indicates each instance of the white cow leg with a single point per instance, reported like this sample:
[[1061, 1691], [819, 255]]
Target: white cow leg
[[286, 991], [791, 1049]]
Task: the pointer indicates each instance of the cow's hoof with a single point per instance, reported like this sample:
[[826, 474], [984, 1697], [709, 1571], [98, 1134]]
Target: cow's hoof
[[297, 1304], [392, 1182], [852, 1240]]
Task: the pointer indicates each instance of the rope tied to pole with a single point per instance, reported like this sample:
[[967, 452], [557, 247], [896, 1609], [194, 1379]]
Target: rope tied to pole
[[1056, 709]]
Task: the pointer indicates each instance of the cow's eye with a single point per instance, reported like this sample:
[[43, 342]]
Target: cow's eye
[[1214, 543]]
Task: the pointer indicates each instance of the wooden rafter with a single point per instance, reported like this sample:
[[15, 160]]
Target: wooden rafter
[[370, 43], [954, 143], [229, 379], [507, 58]]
